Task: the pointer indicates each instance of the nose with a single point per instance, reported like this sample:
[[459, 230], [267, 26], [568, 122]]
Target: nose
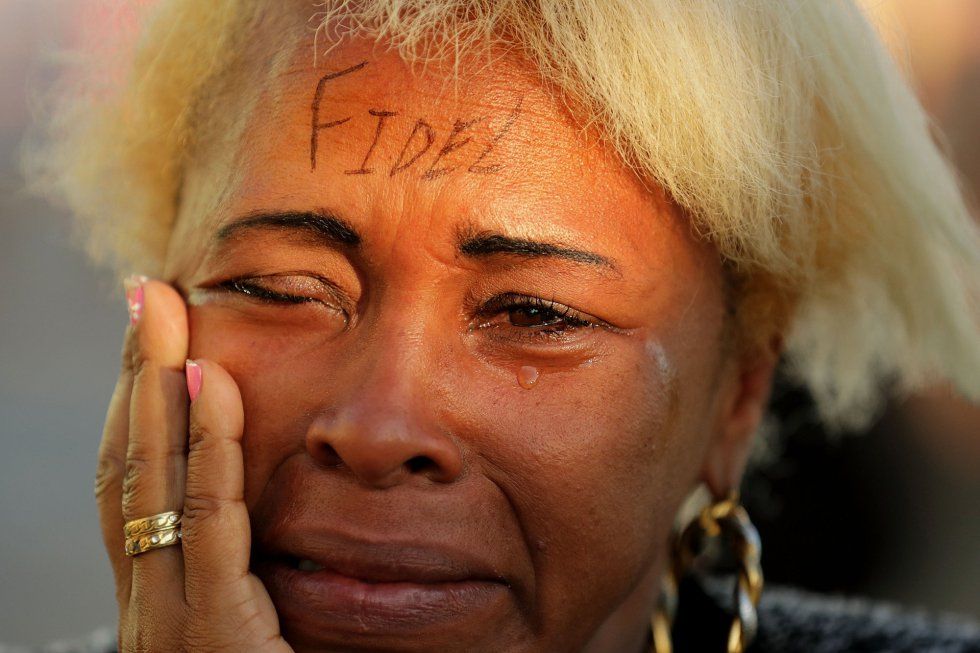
[[384, 438]]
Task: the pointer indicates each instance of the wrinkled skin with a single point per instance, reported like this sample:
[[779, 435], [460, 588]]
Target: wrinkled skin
[[363, 397]]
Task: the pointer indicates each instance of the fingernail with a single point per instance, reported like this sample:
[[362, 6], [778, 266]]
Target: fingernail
[[193, 372], [134, 296]]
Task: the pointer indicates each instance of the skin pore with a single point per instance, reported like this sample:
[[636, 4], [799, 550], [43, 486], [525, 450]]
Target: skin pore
[[458, 322]]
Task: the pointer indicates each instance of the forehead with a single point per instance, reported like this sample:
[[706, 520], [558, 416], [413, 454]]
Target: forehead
[[481, 115], [364, 134]]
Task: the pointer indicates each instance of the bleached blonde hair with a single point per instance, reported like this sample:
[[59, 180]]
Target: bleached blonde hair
[[782, 127]]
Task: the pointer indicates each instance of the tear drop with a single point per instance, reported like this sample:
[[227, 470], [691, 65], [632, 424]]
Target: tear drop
[[527, 376]]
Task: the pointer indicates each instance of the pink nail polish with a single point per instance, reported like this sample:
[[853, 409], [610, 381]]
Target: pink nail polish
[[194, 379], [134, 296]]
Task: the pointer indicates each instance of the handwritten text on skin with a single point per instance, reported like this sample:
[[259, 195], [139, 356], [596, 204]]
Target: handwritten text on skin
[[420, 139]]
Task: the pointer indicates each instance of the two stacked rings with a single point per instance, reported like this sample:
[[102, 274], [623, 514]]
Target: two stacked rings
[[154, 532]]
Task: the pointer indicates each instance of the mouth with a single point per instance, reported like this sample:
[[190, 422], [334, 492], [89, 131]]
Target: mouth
[[388, 564], [335, 587], [308, 565]]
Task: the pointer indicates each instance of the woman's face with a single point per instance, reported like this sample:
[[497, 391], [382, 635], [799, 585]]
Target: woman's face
[[481, 364]]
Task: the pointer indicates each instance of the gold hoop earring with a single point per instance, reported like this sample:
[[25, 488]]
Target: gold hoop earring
[[722, 519]]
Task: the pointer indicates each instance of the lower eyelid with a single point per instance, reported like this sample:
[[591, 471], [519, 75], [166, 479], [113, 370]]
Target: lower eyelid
[[543, 343], [502, 331]]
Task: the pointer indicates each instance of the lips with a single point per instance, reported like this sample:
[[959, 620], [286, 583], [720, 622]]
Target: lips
[[328, 585], [381, 561]]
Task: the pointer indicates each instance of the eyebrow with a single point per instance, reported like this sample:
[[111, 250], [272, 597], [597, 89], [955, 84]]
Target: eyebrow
[[482, 244], [322, 226], [331, 230]]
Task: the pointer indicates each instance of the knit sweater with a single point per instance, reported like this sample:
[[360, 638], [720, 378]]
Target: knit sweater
[[790, 621], [793, 621]]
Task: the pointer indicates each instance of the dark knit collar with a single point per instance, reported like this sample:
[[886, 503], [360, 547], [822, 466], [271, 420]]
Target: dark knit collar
[[790, 621], [793, 621]]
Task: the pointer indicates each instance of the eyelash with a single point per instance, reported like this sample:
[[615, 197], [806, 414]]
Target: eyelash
[[329, 296], [559, 322], [260, 293]]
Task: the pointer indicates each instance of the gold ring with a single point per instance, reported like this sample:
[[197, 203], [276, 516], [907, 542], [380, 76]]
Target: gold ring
[[151, 524], [155, 540]]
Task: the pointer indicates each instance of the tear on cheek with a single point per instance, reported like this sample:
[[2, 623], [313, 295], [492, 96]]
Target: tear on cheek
[[527, 376], [659, 356], [664, 375]]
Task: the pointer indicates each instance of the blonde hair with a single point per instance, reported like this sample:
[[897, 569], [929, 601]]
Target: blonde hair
[[782, 128]]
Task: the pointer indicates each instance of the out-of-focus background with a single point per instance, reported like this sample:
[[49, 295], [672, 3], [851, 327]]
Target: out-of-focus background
[[893, 514]]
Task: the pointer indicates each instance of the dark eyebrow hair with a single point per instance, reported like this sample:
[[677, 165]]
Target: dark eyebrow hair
[[320, 224], [328, 228], [485, 243]]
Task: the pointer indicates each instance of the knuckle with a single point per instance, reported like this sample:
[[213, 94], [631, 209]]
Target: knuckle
[[226, 630], [127, 352], [140, 641], [146, 634], [200, 637], [108, 475], [141, 464], [144, 472], [141, 476], [126, 363], [136, 470], [133, 501], [200, 436], [199, 508], [137, 362], [165, 453]]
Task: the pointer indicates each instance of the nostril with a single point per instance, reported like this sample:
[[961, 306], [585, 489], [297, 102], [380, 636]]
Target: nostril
[[327, 456], [380, 448], [420, 464]]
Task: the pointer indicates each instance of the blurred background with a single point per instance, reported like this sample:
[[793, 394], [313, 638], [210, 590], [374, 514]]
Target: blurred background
[[892, 514]]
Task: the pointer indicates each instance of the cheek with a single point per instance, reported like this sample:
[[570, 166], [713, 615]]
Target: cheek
[[275, 423], [594, 462]]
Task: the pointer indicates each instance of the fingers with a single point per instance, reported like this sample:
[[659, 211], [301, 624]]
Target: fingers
[[112, 468], [216, 532], [217, 536], [148, 465], [157, 429]]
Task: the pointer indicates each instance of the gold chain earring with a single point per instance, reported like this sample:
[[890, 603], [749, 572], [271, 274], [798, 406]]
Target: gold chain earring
[[722, 519]]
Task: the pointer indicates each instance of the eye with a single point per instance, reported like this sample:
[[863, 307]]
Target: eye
[[533, 319], [286, 290], [277, 293]]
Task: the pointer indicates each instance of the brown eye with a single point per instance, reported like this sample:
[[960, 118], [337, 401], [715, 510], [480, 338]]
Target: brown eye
[[532, 320]]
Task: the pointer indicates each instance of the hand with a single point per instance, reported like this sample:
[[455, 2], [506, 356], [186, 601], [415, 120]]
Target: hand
[[156, 456]]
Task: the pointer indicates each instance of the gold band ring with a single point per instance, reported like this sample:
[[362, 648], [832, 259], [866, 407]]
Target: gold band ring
[[155, 540], [151, 524]]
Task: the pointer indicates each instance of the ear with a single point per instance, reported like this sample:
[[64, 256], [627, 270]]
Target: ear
[[743, 396]]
